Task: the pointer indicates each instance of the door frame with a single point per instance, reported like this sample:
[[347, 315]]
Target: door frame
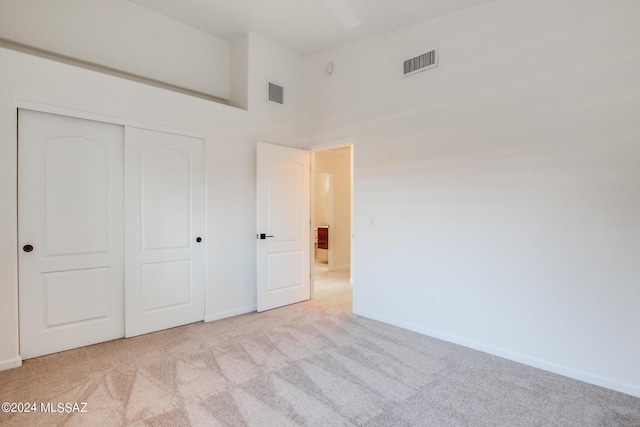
[[22, 104], [350, 142]]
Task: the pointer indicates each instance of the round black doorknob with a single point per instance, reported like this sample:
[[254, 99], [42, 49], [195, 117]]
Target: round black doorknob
[[27, 248], [199, 239]]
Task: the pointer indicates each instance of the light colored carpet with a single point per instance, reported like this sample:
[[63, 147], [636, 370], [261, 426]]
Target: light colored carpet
[[305, 364]]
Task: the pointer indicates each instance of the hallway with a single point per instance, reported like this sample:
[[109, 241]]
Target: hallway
[[333, 287]]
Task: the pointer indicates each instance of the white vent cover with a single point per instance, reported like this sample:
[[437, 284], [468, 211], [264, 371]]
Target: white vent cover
[[421, 62], [276, 93]]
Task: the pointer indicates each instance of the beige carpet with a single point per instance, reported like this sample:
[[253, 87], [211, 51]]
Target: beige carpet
[[306, 364]]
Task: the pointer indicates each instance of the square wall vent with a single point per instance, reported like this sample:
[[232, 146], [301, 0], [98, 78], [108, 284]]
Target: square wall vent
[[275, 93], [421, 63]]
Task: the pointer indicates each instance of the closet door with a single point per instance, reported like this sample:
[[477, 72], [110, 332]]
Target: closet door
[[70, 233], [164, 230]]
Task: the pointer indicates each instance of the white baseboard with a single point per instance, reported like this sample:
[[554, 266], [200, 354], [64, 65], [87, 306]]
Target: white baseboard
[[10, 363], [631, 389], [230, 313]]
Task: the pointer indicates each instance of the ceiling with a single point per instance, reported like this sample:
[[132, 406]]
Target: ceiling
[[304, 26]]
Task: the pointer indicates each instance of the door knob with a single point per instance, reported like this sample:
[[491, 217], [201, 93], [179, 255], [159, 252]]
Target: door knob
[[27, 248], [198, 239], [263, 236]]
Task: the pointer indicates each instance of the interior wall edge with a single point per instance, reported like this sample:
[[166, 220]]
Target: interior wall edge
[[43, 53]]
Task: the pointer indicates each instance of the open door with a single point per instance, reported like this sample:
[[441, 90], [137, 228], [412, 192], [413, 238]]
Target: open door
[[283, 221]]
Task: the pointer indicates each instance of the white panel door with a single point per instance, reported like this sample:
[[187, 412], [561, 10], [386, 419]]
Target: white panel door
[[283, 221], [164, 230], [70, 233]]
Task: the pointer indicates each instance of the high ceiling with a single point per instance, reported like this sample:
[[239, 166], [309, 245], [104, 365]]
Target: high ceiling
[[304, 26]]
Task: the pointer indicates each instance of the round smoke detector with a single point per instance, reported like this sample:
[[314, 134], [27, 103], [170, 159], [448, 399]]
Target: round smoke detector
[[328, 68]]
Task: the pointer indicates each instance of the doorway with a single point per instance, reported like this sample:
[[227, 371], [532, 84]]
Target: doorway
[[332, 175]]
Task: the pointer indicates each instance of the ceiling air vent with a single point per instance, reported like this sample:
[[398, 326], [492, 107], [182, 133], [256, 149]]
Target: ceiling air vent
[[421, 63], [276, 93]]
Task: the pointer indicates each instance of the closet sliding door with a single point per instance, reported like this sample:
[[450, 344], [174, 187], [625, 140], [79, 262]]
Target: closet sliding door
[[164, 230], [70, 232], [111, 231]]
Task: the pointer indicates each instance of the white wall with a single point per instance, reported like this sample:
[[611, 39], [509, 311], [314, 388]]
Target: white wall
[[234, 257], [504, 183], [270, 63], [121, 35], [239, 72], [230, 144], [322, 197]]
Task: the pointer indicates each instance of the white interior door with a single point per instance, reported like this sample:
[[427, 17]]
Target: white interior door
[[283, 222], [70, 233], [164, 230]]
